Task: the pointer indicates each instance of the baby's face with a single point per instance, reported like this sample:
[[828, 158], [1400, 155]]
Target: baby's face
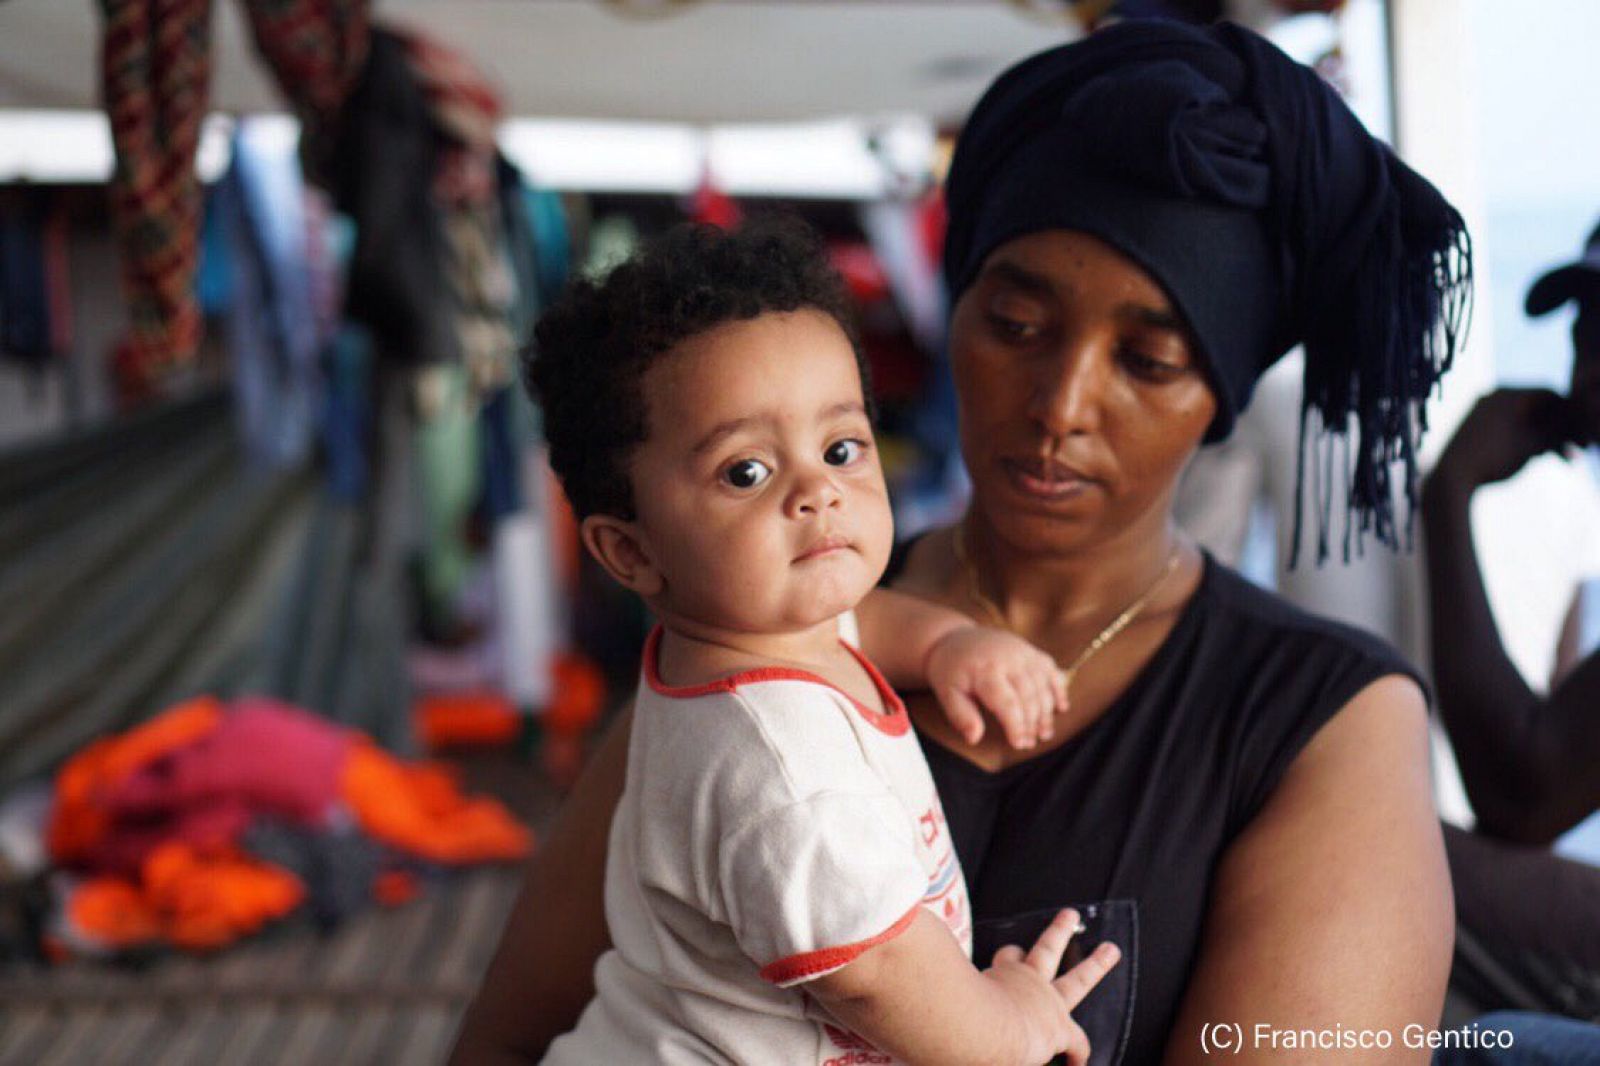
[[759, 491]]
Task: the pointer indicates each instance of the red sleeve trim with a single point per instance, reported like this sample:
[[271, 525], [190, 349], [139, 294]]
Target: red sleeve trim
[[825, 960]]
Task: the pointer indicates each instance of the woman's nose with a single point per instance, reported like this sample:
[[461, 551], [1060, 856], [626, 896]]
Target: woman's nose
[[813, 492], [1069, 393]]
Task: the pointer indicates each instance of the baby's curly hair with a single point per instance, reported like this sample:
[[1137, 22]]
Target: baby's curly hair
[[591, 347]]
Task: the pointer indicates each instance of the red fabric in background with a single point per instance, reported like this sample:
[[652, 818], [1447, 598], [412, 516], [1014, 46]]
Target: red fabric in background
[[156, 815], [265, 756]]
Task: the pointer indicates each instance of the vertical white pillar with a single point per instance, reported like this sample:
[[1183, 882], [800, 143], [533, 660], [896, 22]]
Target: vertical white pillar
[[1437, 116]]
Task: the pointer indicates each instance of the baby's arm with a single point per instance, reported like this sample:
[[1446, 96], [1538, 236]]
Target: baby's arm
[[917, 997], [920, 644]]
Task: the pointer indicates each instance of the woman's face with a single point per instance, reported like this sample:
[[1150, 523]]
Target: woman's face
[[1080, 392]]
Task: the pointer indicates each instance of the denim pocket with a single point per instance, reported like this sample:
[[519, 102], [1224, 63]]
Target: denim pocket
[[1106, 1014]]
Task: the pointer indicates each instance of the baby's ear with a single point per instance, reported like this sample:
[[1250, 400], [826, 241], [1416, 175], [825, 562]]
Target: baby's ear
[[621, 549]]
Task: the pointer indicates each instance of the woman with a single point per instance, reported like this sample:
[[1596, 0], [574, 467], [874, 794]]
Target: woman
[[1141, 223]]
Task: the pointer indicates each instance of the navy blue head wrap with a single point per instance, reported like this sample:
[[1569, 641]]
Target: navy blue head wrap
[[1241, 182]]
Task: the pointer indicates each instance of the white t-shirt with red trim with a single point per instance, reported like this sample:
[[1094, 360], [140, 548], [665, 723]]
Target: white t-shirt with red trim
[[771, 829]]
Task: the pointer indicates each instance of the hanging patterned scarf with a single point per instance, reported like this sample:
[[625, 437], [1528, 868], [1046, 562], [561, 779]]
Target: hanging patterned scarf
[[155, 76]]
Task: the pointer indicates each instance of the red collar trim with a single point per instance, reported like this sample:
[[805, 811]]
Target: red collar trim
[[892, 721]]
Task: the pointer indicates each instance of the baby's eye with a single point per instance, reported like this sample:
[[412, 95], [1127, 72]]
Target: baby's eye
[[844, 452], [747, 473]]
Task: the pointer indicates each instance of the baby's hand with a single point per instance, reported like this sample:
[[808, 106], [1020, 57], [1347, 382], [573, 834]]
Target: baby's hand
[[1019, 684], [1044, 1002]]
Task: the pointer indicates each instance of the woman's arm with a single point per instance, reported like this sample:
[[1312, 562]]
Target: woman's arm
[[1332, 910], [1570, 640], [542, 975]]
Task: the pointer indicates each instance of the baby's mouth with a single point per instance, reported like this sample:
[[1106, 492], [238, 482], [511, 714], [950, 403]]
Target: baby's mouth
[[825, 546]]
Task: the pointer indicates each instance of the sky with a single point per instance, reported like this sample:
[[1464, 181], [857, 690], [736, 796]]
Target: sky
[[1537, 66]]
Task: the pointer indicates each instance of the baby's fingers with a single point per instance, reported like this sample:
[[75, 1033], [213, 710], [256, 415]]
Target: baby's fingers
[[1009, 953], [1079, 981], [963, 714], [1009, 707], [1035, 701], [1040, 700], [1050, 680], [1045, 955]]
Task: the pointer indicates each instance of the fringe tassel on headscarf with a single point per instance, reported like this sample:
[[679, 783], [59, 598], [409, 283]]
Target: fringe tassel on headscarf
[[1398, 331]]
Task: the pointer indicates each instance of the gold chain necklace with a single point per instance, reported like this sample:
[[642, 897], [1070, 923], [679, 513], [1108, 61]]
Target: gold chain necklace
[[1101, 639]]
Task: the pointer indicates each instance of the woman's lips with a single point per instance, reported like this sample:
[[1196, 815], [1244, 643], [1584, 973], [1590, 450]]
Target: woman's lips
[[1043, 480]]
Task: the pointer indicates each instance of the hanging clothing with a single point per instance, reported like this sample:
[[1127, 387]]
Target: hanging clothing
[[480, 277], [378, 170], [465, 110], [502, 486], [538, 247], [552, 237], [214, 281], [155, 77], [155, 71], [316, 50], [895, 229], [449, 468], [433, 275], [57, 279], [347, 420], [272, 321], [25, 298]]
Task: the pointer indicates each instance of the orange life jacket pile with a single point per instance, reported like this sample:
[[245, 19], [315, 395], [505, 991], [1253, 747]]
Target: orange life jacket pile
[[150, 821]]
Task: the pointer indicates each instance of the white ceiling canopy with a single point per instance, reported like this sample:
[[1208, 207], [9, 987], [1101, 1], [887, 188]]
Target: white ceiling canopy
[[703, 63]]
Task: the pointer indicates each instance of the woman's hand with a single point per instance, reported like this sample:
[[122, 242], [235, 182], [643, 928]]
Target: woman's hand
[[1020, 685], [1503, 431]]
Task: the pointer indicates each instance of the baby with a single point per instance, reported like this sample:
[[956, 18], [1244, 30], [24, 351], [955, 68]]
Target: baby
[[780, 884]]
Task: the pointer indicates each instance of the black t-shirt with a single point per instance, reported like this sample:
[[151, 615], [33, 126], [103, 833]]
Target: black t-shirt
[[1128, 820]]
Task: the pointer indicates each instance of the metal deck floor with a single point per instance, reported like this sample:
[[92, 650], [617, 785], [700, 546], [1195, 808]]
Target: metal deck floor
[[387, 987]]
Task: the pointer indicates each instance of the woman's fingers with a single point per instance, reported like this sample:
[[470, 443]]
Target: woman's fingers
[[1079, 981]]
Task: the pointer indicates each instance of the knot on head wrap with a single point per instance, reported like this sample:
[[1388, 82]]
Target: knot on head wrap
[[1178, 131], [1242, 183]]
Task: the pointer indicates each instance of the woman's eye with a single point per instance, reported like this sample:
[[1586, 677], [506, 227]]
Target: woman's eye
[[747, 473], [1012, 329], [1148, 366], [844, 452]]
